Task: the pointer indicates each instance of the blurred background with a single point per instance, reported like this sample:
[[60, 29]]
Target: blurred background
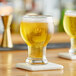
[[56, 8]]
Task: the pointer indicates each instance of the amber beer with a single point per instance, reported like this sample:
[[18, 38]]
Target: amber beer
[[70, 25], [70, 28], [35, 34]]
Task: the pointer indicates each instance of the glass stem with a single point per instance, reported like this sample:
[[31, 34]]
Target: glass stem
[[73, 46], [36, 55], [36, 52]]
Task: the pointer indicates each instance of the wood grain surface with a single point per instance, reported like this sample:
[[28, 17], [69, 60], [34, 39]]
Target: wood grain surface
[[8, 60]]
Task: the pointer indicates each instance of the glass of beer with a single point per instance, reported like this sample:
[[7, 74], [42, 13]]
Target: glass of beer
[[36, 31], [70, 29]]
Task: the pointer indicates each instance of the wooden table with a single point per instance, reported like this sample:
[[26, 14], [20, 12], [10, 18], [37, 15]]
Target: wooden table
[[8, 59]]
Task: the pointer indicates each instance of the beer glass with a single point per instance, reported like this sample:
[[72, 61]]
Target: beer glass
[[36, 31], [70, 29]]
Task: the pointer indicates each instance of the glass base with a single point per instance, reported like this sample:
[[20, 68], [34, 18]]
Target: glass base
[[36, 61], [73, 46], [72, 51]]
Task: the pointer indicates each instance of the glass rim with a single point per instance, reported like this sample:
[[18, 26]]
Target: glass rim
[[37, 16], [70, 12]]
